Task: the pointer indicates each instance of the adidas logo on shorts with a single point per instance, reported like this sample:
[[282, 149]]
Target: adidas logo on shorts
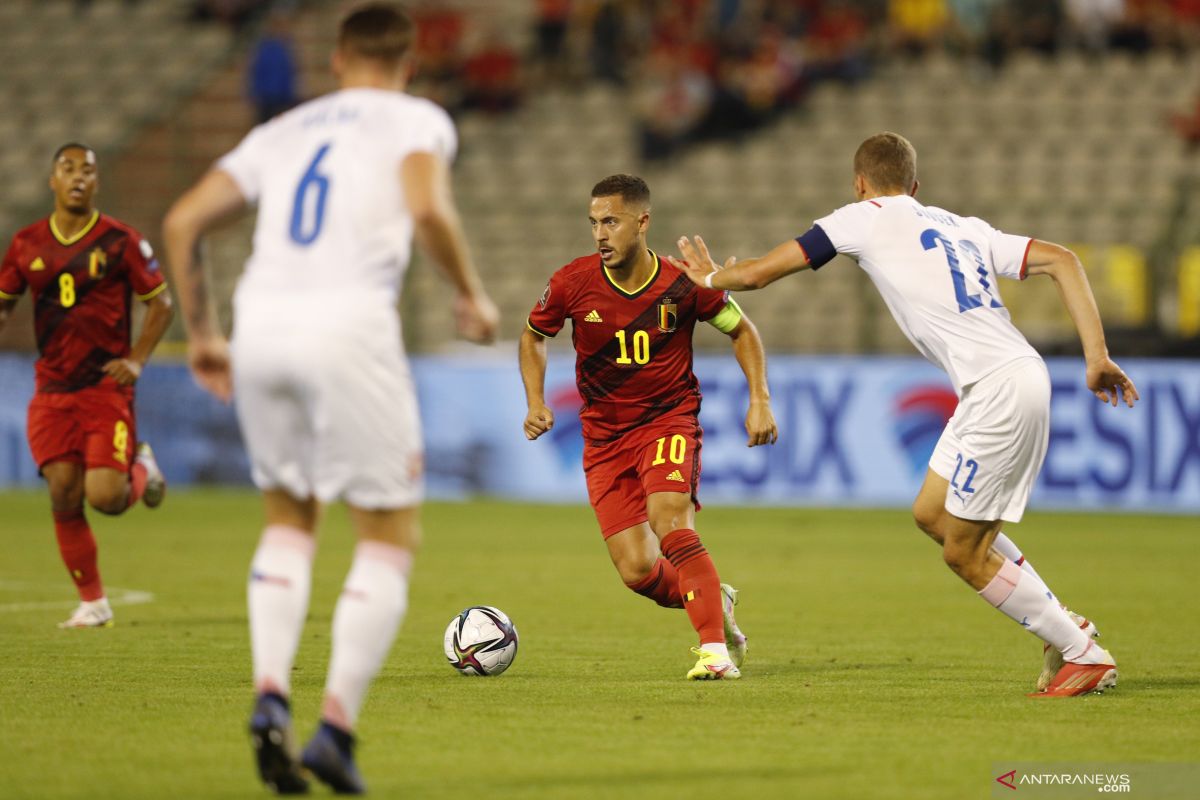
[[676, 476]]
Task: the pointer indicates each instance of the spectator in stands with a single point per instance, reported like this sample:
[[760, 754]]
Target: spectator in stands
[[492, 77], [272, 75], [916, 26], [550, 39], [1089, 22], [608, 49], [440, 31], [673, 98]]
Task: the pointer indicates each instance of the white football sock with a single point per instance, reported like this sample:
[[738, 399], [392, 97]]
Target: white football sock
[[717, 649], [368, 614], [1008, 548], [277, 597], [1019, 595]]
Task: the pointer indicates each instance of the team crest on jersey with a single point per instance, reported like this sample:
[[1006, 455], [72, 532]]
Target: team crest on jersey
[[668, 315], [545, 298], [97, 263]]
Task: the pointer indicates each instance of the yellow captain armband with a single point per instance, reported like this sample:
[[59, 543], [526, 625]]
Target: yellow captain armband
[[728, 317]]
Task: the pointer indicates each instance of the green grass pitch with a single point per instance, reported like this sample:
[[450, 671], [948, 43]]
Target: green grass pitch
[[872, 672]]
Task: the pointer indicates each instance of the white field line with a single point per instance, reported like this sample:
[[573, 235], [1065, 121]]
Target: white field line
[[116, 596]]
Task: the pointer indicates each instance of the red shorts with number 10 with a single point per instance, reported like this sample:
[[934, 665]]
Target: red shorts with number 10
[[663, 456], [93, 427]]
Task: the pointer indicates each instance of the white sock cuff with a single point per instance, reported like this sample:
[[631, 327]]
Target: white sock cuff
[[399, 558], [1001, 586], [291, 538]]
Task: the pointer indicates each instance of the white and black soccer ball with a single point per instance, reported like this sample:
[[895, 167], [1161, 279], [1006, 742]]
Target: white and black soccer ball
[[481, 641]]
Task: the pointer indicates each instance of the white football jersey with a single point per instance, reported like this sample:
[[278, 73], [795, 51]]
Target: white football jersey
[[937, 273], [332, 220]]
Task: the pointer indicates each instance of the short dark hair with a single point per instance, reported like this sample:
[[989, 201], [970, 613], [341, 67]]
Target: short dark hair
[[888, 161], [633, 190], [70, 146], [377, 30]]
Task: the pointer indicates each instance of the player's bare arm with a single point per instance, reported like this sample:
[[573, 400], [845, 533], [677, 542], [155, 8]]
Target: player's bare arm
[[1105, 379], [198, 211], [425, 179], [159, 312], [734, 276], [751, 357], [532, 357]]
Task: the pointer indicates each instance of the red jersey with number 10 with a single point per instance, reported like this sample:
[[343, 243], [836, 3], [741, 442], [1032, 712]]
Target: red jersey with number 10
[[82, 293], [633, 350]]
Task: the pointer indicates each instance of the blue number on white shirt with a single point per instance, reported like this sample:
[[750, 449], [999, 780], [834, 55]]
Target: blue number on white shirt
[[971, 465], [931, 238], [310, 180]]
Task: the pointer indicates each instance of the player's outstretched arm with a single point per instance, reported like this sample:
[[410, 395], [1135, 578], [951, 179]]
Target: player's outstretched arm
[[532, 357], [753, 273], [748, 350], [159, 312], [195, 213], [425, 180], [1105, 379]]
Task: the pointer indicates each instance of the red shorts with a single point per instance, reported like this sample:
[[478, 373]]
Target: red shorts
[[93, 427], [663, 456]]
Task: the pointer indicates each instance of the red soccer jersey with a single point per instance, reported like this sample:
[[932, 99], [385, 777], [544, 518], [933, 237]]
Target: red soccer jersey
[[82, 293], [633, 350]]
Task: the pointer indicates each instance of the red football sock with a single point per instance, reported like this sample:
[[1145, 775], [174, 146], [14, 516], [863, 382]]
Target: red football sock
[[78, 549], [698, 583], [661, 585], [137, 483]]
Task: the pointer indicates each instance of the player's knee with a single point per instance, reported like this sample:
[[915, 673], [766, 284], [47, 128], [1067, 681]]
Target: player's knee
[[926, 517], [634, 569], [66, 495], [108, 499], [667, 517]]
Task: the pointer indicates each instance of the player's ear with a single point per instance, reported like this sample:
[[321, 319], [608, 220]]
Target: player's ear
[[916, 185], [337, 63]]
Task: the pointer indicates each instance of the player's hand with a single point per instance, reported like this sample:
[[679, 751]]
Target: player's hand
[[697, 263], [760, 424], [1109, 382], [209, 362], [539, 420], [477, 317], [125, 371]]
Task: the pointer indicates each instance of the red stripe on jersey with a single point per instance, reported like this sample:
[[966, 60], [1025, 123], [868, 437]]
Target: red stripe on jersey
[[1025, 261]]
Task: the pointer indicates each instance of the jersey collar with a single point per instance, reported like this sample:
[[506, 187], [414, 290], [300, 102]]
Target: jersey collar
[[638, 291], [63, 240]]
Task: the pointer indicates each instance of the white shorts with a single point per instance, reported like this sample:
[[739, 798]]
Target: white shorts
[[329, 415], [994, 445]]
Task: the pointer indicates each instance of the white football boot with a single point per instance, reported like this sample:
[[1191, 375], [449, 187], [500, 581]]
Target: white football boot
[[156, 484], [735, 640], [90, 614]]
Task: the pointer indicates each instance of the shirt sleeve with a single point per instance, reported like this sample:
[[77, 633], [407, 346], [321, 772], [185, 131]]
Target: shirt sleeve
[[143, 270], [1009, 253], [244, 166], [432, 131], [709, 302], [847, 229], [12, 282], [550, 312]]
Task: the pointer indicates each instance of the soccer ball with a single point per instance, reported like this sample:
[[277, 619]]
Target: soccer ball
[[481, 641]]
